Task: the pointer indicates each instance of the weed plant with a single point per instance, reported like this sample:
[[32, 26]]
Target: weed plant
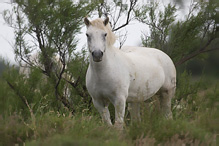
[[28, 116]]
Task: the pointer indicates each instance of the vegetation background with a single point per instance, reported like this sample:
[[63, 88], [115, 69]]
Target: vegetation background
[[51, 105]]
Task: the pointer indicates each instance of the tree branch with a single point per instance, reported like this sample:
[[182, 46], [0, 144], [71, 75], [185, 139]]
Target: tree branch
[[132, 5], [66, 103], [194, 54], [18, 94]]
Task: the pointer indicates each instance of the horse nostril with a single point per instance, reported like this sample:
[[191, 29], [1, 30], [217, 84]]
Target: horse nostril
[[97, 55]]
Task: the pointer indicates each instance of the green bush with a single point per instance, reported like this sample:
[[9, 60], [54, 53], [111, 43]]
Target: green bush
[[33, 111], [28, 115]]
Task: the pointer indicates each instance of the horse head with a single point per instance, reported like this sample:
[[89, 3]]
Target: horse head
[[99, 37]]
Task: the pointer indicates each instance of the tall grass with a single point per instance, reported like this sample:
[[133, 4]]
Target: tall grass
[[37, 122]]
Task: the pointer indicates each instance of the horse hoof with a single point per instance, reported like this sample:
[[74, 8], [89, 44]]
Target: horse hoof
[[119, 126]]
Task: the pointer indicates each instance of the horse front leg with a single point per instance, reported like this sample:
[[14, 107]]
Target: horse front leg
[[119, 105], [102, 108]]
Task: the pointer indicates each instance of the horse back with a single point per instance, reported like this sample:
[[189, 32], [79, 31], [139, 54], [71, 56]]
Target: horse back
[[151, 56]]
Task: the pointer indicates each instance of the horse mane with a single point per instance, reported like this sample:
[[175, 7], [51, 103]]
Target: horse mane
[[111, 38]]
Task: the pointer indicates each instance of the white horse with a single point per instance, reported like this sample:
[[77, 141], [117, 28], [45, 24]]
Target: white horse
[[129, 74]]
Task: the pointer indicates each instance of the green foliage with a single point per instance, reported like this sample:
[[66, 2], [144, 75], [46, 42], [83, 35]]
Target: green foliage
[[33, 109], [194, 32], [30, 91], [45, 44], [52, 24], [182, 40], [2, 65], [194, 116], [186, 95], [159, 23], [13, 130], [59, 129]]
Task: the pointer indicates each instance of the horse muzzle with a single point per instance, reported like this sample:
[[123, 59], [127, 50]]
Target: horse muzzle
[[97, 55]]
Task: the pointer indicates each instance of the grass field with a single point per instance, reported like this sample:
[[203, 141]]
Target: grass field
[[195, 121]]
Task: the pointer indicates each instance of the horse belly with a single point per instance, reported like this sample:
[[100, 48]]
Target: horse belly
[[145, 85]]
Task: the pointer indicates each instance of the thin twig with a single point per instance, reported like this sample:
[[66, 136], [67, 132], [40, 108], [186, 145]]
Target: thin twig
[[132, 5]]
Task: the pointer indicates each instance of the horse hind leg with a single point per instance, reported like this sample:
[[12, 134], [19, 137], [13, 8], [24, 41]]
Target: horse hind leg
[[166, 94], [134, 109]]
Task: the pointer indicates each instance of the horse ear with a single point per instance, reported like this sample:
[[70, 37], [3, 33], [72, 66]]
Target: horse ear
[[106, 21], [87, 22]]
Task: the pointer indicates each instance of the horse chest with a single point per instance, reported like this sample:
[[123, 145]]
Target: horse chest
[[102, 90], [105, 84]]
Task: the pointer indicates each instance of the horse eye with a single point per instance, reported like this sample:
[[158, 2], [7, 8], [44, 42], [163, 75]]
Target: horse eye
[[105, 34], [87, 35]]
